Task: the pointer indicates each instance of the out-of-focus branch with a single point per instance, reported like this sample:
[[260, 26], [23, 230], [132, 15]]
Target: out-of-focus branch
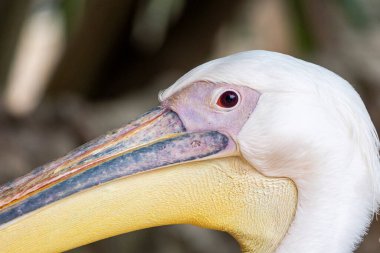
[[38, 50]]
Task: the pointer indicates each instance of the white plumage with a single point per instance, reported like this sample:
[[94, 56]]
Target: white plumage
[[311, 126]]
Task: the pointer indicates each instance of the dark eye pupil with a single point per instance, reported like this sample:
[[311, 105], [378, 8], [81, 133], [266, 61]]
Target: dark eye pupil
[[228, 99]]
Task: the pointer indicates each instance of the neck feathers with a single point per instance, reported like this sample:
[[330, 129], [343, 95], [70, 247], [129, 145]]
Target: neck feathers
[[333, 212]]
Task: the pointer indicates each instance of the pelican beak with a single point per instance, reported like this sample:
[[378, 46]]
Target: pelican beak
[[149, 173]]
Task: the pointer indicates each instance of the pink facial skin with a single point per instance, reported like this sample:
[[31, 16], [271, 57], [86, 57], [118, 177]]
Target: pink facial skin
[[197, 107]]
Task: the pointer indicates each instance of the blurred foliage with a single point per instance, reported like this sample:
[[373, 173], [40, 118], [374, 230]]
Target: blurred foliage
[[73, 12], [303, 32], [12, 14], [355, 13], [119, 53]]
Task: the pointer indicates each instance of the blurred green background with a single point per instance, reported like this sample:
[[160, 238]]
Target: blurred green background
[[73, 69]]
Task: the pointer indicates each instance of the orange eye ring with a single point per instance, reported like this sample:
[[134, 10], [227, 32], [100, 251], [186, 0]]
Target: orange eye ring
[[228, 99]]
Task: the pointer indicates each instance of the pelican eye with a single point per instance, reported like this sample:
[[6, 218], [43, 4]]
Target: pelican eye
[[228, 99]]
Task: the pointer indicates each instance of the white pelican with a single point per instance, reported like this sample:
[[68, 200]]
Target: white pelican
[[278, 152]]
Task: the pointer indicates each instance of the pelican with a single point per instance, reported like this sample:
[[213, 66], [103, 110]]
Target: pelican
[[276, 151]]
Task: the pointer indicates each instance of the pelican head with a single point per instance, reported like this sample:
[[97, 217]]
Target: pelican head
[[278, 152]]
